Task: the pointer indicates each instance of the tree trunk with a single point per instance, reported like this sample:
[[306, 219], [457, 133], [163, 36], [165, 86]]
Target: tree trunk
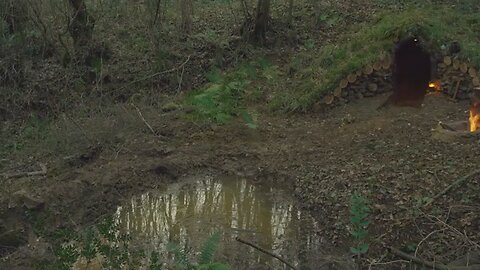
[[81, 27], [15, 15], [317, 11], [186, 12], [261, 21], [290, 12], [157, 12]]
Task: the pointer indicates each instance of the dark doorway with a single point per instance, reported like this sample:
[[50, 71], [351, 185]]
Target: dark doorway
[[412, 71]]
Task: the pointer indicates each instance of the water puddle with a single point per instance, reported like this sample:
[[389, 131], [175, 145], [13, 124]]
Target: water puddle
[[188, 214]]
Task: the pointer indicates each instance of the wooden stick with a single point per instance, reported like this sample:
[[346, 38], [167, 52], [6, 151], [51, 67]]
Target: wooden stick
[[456, 89], [352, 78], [337, 92], [454, 184], [265, 251], [43, 171], [476, 81], [419, 261], [343, 83], [328, 99], [386, 65], [432, 265], [472, 72], [445, 126], [368, 69], [145, 121], [156, 74]]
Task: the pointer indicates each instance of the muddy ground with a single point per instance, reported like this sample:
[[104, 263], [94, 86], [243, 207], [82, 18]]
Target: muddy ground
[[393, 156]]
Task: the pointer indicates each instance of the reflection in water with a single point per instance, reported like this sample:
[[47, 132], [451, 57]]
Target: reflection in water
[[189, 214]]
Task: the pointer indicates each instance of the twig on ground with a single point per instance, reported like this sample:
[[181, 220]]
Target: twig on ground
[[466, 238], [417, 260], [66, 117], [180, 80], [454, 184], [145, 121], [433, 265], [156, 74], [425, 238], [385, 263], [265, 251], [43, 171]]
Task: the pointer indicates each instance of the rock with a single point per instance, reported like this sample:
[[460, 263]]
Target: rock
[[22, 198]]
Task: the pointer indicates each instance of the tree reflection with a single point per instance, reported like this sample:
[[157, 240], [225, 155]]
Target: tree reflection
[[189, 214]]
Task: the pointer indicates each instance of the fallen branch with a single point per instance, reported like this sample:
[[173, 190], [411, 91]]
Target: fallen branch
[[145, 121], [446, 126], [43, 171], [425, 239], [455, 230], [265, 251], [156, 74], [430, 264], [454, 184]]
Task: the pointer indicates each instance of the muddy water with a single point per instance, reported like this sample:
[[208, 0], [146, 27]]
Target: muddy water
[[189, 213]]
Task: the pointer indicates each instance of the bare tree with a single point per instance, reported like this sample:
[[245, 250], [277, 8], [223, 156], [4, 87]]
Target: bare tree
[[81, 27], [261, 21], [245, 9], [157, 11], [290, 12], [186, 14], [15, 15]]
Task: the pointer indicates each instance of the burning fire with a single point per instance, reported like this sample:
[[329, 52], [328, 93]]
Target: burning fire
[[474, 119], [436, 85]]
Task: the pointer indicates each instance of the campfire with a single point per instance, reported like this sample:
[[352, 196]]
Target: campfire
[[474, 120], [435, 86], [462, 129]]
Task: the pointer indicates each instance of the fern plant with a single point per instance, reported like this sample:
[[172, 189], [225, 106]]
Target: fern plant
[[205, 258], [359, 212], [225, 96]]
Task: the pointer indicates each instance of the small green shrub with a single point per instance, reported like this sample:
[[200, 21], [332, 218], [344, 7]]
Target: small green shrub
[[222, 99], [359, 212], [105, 240]]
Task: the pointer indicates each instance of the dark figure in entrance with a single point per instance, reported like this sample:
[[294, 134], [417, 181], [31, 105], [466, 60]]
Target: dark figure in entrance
[[412, 71]]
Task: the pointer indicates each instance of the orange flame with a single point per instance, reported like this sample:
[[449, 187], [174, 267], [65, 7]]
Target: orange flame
[[474, 120], [436, 85]]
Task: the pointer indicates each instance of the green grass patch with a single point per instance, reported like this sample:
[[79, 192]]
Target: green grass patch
[[225, 96], [437, 25]]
